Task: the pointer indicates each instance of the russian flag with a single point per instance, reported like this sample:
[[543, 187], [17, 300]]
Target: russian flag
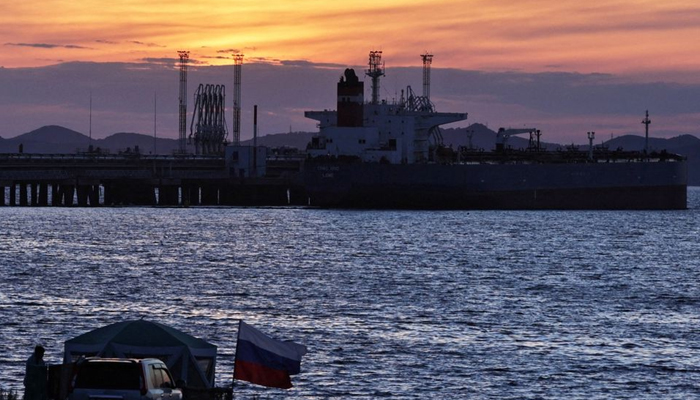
[[265, 361]]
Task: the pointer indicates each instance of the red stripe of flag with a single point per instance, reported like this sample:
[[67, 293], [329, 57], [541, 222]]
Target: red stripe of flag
[[261, 375]]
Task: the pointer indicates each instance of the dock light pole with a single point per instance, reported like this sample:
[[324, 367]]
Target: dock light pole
[[591, 136]]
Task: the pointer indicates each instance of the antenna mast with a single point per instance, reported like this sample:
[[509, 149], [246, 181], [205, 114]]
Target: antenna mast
[[427, 60], [182, 142], [155, 120], [646, 123], [90, 129], [375, 71], [237, 68]]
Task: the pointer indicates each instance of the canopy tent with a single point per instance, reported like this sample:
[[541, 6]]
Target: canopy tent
[[187, 357]]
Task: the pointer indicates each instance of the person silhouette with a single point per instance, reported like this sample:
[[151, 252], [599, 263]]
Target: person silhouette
[[35, 376]]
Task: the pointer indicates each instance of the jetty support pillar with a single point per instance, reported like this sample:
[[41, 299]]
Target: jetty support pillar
[[34, 193], [13, 194], [3, 189], [55, 194], [42, 195], [86, 188], [94, 195], [168, 192], [23, 196], [210, 195], [190, 194], [67, 194]]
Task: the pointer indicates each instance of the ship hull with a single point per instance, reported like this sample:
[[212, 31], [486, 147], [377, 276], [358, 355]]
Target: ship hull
[[614, 186]]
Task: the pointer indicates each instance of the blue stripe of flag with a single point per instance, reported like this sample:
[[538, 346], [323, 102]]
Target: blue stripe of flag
[[247, 351]]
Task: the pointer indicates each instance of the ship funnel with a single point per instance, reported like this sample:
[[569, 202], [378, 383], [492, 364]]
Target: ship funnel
[[350, 100]]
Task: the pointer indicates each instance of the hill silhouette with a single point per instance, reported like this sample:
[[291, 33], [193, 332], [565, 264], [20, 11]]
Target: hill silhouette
[[55, 139]]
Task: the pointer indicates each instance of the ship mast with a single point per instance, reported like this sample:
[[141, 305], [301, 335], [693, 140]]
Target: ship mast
[[375, 71]]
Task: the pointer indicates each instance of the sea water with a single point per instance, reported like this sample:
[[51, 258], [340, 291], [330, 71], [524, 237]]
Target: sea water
[[404, 304]]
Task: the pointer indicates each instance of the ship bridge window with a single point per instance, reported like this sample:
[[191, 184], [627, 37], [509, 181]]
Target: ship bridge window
[[392, 144], [362, 141]]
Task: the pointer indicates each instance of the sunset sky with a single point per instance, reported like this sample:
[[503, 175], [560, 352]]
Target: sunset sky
[[628, 42]]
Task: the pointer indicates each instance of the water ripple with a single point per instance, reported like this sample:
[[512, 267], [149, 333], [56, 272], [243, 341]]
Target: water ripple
[[521, 304]]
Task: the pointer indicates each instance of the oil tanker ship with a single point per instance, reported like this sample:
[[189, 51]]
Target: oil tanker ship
[[381, 154]]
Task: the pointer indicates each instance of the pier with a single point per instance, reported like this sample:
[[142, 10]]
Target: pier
[[91, 180]]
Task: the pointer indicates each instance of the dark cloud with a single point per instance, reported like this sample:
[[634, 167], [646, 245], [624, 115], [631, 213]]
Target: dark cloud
[[162, 60], [305, 63], [106, 41], [194, 61], [262, 60], [48, 45], [146, 44], [569, 93], [169, 61], [283, 89], [229, 51]]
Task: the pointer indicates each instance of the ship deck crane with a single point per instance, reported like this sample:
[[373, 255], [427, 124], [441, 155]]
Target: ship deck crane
[[504, 134]]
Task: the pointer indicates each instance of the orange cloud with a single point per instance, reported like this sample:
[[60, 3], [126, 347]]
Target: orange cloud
[[628, 36]]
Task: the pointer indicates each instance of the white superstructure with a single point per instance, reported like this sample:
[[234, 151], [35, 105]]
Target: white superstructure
[[404, 131]]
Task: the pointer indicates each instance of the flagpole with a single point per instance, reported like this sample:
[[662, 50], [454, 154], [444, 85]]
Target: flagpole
[[238, 339]]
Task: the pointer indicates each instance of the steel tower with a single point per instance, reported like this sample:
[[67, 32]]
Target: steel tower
[[237, 67], [427, 60], [182, 142]]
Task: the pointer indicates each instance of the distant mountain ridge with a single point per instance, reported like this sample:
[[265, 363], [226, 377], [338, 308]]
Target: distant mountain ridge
[[55, 139]]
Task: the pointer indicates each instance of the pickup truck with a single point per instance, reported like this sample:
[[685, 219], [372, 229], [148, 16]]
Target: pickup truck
[[122, 379]]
